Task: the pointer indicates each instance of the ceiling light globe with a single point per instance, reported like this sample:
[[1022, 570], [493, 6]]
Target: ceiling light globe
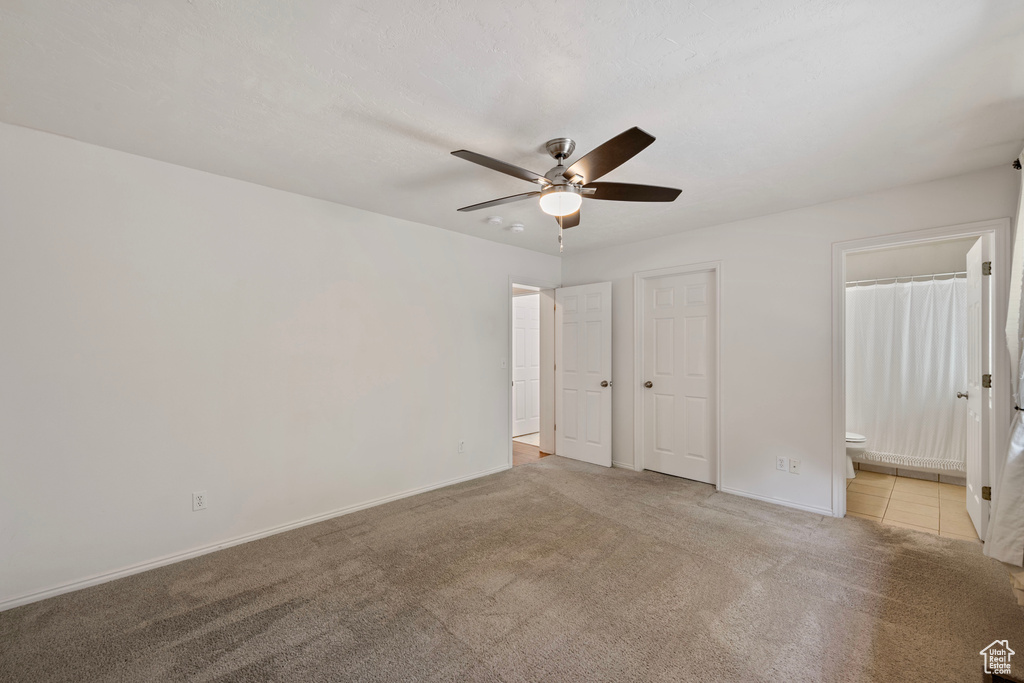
[[560, 200]]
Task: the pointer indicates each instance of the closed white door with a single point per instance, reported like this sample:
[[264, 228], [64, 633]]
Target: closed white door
[[525, 364], [977, 395], [679, 375], [583, 373]]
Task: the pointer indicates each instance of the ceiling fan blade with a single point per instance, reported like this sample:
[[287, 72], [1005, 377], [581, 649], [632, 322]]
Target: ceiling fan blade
[[610, 155], [627, 192], [497, 202], [501, 166], [570, 221]]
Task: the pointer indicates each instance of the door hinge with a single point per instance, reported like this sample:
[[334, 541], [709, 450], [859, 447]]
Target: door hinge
[[986, 493], [986, 381], [986, 268]]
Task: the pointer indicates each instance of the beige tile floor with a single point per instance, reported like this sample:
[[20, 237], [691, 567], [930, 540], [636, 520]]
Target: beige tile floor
[[532, 439], [927, 506]]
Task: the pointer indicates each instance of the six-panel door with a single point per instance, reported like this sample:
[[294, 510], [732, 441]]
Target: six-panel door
[[678, 360], [583, 349], [977, 396], [525, 364]]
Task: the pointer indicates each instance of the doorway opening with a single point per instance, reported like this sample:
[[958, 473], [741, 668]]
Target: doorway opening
[[917, 417], [531, 366]]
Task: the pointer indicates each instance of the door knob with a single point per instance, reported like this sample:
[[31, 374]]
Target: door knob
[[961, 394], [648, 384], [606, 383]]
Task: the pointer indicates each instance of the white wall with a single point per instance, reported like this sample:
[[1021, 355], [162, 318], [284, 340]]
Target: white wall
[[166, 330], [776, 320], [948, 256]]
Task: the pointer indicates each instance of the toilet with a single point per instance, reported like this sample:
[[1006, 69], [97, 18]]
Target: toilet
[[855, 443]]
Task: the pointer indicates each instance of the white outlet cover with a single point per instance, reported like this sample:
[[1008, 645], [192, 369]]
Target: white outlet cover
[[794, 466], [782, 464], [199, 501]]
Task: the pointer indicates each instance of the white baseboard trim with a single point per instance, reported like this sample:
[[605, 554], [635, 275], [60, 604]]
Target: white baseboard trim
[[96, 579], [623, 465], [778, 501]]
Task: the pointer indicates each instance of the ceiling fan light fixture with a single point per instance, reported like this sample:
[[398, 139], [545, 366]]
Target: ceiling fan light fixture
[[560, 200]]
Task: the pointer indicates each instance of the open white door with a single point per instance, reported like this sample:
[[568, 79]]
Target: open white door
[[525, 364], [977, 395], [583, 373]]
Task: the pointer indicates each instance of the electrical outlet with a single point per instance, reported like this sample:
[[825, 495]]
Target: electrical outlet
[[462, 447], [782, 464], [794, 466], [198, 501]]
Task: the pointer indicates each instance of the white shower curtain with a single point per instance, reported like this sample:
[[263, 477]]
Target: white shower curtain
[[906, 358]]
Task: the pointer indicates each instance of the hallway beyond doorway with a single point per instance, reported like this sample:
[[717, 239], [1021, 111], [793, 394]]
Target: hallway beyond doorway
[[526, 449]]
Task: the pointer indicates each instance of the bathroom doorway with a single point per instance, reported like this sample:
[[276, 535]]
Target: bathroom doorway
[[917, 322]]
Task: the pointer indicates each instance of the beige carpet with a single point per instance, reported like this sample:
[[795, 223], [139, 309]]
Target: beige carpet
[[555, 571]]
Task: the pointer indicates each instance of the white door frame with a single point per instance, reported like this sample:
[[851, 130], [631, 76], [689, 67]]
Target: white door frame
[[998, 230], [531, 282], [639, 286]]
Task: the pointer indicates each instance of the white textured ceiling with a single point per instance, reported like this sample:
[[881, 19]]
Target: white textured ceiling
[[758, 107]]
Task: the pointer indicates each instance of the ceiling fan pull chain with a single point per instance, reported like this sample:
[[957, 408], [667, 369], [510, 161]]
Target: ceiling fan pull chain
[[560, 234]]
